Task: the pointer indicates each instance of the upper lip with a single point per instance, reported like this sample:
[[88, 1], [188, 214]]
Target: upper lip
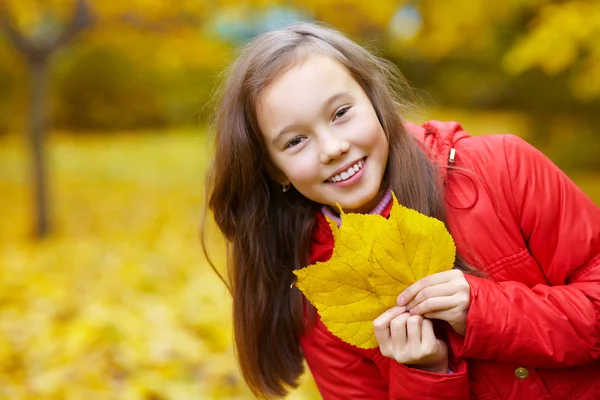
[[344, 168]]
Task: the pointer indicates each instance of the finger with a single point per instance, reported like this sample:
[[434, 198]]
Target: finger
[[398, 329], [435, 304], [443, 289], [413, 331], [441, 315], [427, 334], [410, 292], [381, 325]]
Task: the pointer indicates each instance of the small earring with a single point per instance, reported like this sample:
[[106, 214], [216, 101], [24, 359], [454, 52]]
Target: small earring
[[285, 187]]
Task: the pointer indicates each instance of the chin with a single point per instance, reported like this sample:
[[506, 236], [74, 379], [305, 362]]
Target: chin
[[361, 207], [366, 203]]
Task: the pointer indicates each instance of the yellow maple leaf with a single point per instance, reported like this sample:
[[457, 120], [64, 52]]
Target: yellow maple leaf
[[373, 260]]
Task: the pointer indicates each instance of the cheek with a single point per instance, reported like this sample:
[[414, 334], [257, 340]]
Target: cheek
[[382, 141], [306, 171], [367, 131], [302, 169]]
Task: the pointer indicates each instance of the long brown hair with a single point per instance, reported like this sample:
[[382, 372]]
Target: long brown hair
[[268, 231]]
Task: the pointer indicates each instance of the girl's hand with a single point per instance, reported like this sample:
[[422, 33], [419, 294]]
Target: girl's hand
[[409, 339], [445, 295]]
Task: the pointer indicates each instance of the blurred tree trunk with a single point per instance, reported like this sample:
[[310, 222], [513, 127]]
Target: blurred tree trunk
[[36, 138], [37, 53]]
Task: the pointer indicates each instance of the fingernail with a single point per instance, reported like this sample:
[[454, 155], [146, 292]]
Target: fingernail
[[401, 301], [412, 311]]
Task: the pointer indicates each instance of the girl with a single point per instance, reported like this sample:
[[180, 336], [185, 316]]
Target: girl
[[309, 119]]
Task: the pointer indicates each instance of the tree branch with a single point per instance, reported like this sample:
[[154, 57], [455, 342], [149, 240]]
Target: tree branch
[[83, 17], [16, 38]]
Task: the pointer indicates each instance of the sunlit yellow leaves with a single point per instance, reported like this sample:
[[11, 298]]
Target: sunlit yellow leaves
[[373, 260], [29, 13], [119, 303], [148, 11], [454, 25], [561, 34], [352, 16], [586, 82], [557, 35]]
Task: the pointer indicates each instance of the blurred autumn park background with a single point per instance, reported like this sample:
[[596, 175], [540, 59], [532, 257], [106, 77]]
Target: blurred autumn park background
[[104, 291]]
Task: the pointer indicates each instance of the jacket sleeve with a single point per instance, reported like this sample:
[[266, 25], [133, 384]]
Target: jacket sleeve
[[342, 372], [549, 325]]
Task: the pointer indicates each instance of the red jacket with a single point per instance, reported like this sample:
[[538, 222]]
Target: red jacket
[[533, 327]]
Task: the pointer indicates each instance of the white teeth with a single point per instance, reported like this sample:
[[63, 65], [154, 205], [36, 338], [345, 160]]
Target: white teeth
[[347, 174]]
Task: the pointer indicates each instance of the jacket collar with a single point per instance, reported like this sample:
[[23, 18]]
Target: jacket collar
[[438, 139]]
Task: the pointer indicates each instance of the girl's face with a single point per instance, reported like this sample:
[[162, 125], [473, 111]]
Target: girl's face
[[323, 135]]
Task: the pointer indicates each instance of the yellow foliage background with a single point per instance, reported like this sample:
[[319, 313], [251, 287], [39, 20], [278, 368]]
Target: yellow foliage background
[[119, 301]]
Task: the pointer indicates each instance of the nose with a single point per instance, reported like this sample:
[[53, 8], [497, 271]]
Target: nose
[[332, 146]]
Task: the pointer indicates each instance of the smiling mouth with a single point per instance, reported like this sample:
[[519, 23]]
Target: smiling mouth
[[348, 173]]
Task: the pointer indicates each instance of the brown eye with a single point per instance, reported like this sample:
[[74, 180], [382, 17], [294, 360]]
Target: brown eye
[[341, 112], [294, 142]]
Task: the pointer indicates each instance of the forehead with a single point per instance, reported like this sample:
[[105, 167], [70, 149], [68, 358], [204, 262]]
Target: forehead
[[305, 87]]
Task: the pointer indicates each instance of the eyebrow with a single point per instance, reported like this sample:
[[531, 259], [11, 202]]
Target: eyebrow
[[327, 103]]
